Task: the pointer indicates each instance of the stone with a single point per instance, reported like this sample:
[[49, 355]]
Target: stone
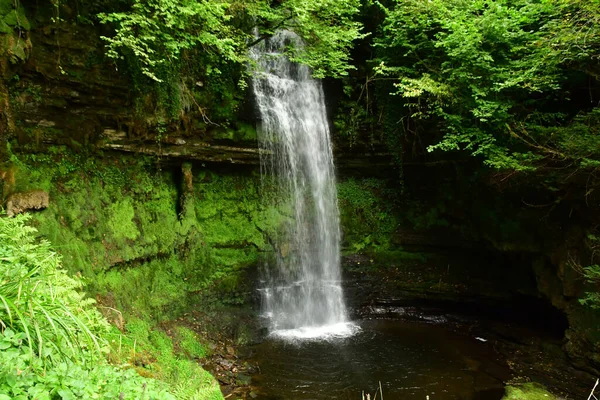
[[243, 380], [225, 364], [20, 202]]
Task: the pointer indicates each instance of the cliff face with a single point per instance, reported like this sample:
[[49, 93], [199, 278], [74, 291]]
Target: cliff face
[[62, 89], [68, 92]]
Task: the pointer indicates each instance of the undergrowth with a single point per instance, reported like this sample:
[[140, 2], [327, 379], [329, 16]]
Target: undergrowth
[[154, 354], [52, 338]]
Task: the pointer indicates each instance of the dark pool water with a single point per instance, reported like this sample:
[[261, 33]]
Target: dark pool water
[[411, 360]]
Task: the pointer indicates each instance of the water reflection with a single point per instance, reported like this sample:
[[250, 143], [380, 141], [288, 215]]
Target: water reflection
[[410, 360]]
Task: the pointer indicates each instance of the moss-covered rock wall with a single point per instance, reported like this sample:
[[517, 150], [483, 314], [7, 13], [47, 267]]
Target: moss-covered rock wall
[[150, 235]]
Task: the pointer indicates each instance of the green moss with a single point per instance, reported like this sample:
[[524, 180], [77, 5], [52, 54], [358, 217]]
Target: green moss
[[116, 222], [243, 132], [6, 6], [121, 222], [189, 343], [4, 28], [367, 215], [152, 350], [528, 391]]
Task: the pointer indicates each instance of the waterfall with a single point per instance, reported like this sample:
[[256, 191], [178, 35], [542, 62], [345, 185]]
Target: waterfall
[[302, 297]]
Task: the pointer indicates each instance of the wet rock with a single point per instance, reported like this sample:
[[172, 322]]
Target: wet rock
[[225, 364], [18, 203], [243, 380]]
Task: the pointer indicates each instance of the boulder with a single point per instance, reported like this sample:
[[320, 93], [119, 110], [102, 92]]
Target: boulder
[[23, 201]]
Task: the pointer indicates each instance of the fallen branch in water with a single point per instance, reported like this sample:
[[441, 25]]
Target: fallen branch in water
[[592, 395], [380, 391]]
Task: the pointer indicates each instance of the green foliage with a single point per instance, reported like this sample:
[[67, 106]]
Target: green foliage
[[50, 333], [116, 222], [13, 23], [157, 32], [40, 301], [13, 15], [591, 274], [189, 59], [67, 380], [495, 78], [329, 28]]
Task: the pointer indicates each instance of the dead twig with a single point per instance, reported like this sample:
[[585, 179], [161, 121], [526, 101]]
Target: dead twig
[[592, 395]]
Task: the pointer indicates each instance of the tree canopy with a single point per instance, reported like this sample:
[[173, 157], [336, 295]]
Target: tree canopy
[[156, 32], [511, 81]]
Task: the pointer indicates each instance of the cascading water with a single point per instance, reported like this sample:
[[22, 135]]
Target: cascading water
[[302, 298]]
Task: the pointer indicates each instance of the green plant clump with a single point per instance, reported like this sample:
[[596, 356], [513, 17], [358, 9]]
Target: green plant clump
[[190, 344], [528, 391], [154, 354], [591, 274]]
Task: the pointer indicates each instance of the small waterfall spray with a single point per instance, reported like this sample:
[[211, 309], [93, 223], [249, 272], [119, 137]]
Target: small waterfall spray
[[303, 297]]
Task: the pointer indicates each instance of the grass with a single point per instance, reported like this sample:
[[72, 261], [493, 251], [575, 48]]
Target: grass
[[153, 354]]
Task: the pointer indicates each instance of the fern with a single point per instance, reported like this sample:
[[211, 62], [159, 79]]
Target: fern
[[38, 298]]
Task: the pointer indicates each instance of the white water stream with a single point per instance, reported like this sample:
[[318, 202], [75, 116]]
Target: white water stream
[[302, 297]]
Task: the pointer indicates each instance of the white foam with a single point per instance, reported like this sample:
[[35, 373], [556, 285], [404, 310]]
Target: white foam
[[311, 333]]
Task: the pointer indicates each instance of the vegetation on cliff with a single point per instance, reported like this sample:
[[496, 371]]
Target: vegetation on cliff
[[149, 244], [135, 237], [53, 340], [512, 82], [504, 91], [156, 33]]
